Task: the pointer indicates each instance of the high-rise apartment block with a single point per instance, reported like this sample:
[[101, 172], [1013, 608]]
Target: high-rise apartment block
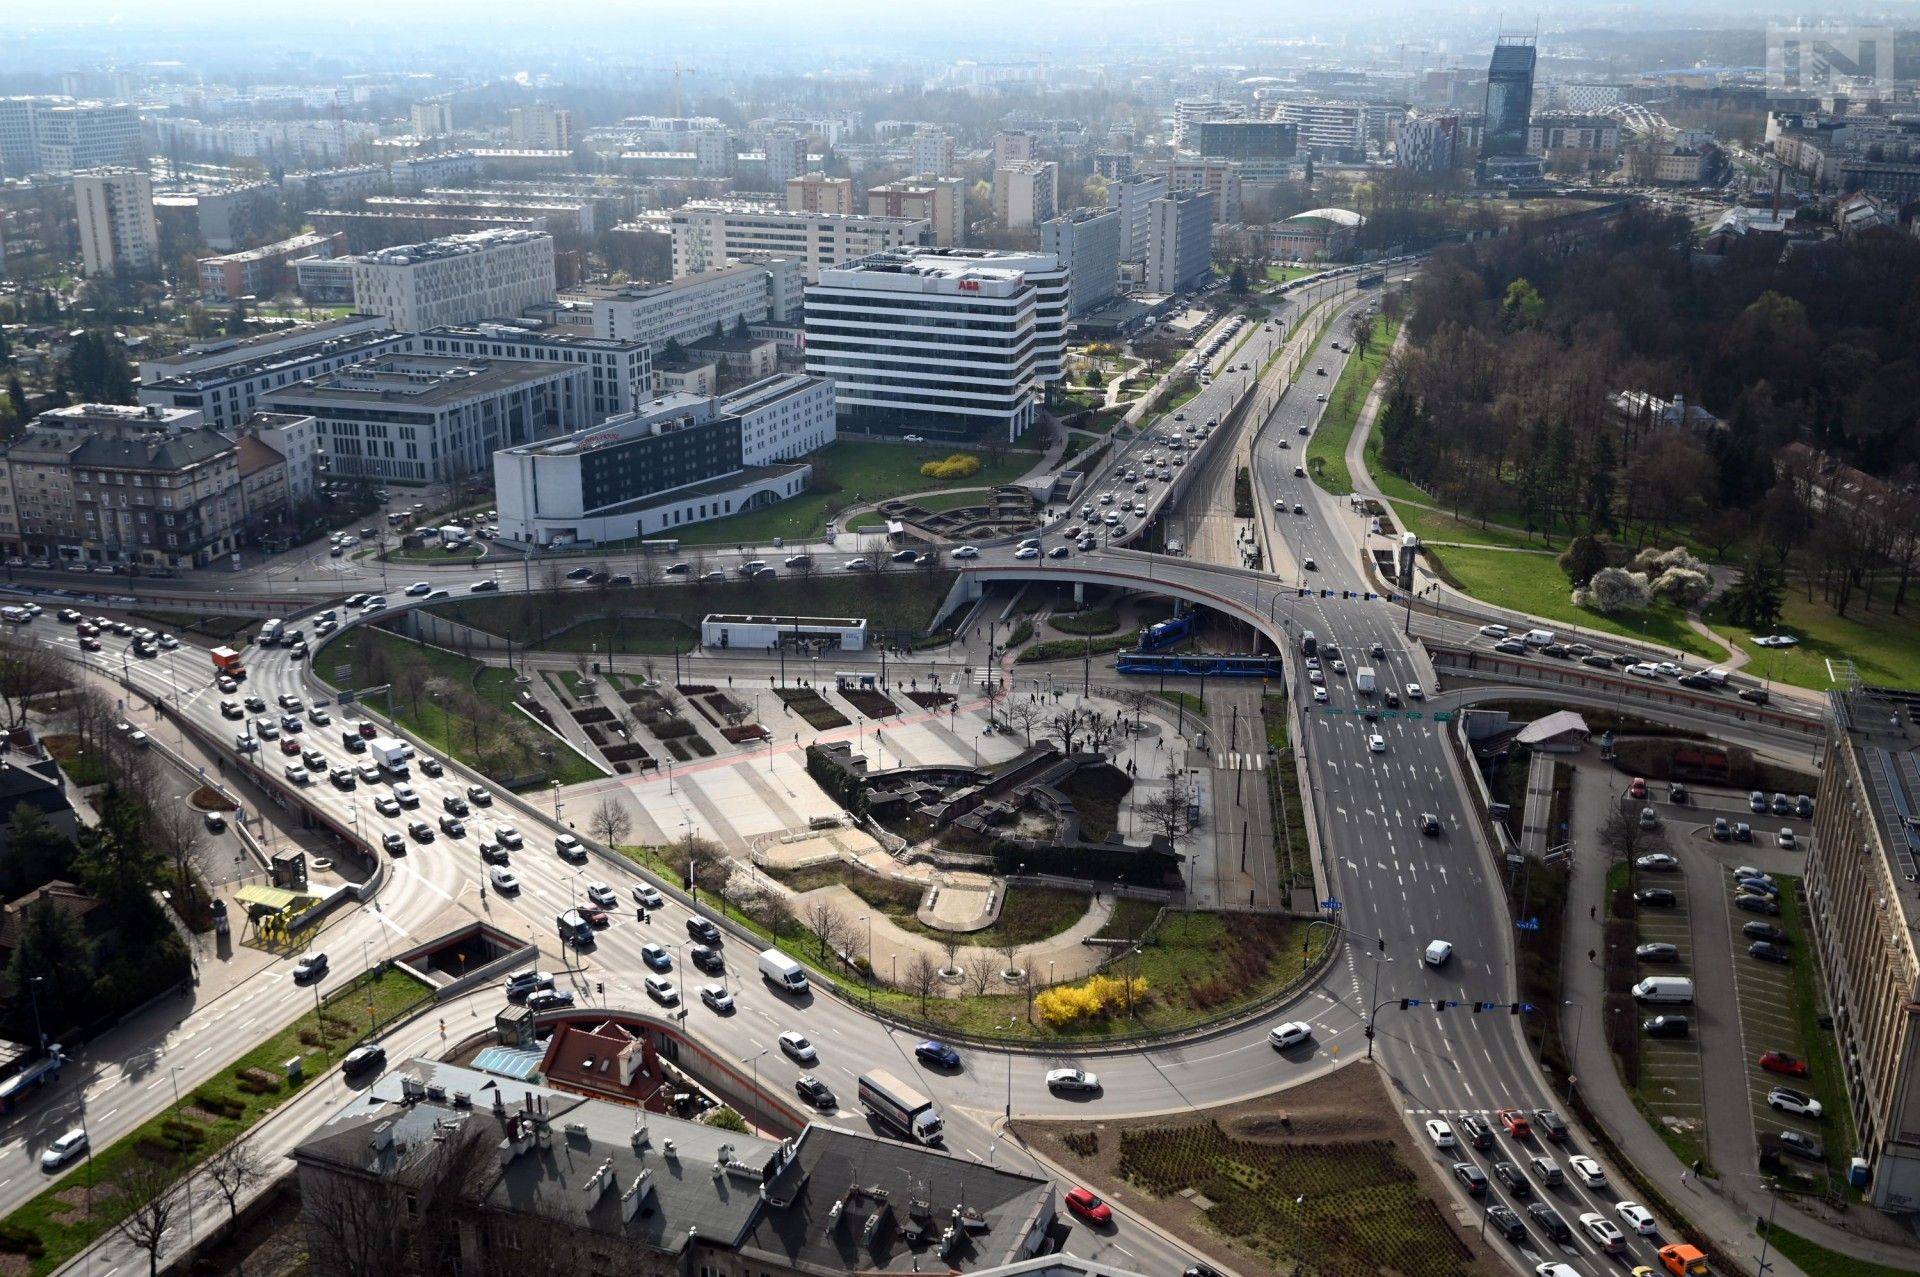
[[456, 280], [1179, 242], [941, 201], [933, 153], [1112, 164], [951, 344], [1509, 108], [541, 127], [1264, 149], [818, 193], [1328, 130], [1014, 146], [708, 234], [1431, 144], [1025, 195], [1132, 197], [118, 233], [1086, 241], [1218, 178], [786, 156], [1190, 113], [430, 119], [71, 136]]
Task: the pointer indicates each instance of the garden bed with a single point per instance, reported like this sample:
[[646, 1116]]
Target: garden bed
[[872, 704], [745, 732], [930, 700], [808, 704]]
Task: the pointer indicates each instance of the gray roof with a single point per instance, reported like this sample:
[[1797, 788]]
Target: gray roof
[[820, 1202], [1555, 724], [156, 451]]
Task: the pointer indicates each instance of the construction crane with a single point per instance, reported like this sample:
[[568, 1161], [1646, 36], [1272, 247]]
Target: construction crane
[[677, 70]]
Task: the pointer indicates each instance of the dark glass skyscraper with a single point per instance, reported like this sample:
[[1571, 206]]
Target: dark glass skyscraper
[[1509, 97]]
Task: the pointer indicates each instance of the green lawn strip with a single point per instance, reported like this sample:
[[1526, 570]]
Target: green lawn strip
[[861, 473], [1291, 846], [1328, 446], [1534, 583], [638, 635], [431, 721], [1287, 274], [1817, 1046], [1816, 1260], [82, 768], [898, 600], [1067, 649], [1130, 919], [960, 498], [1433, 525], [1884, 646], [1095, 621], [432, 553], [211, 1117]]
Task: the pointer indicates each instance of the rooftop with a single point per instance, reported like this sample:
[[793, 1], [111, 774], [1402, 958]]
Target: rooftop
[[1883, 726], [656, 416], [450, 246], [233, 354], [282, 248], [422, 381], [499, 330]]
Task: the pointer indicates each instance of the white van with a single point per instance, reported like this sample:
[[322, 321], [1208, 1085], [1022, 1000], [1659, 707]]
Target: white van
[[1664, 989], [1537, 638]]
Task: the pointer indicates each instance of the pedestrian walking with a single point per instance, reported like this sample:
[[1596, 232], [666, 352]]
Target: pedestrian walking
[[1593, 911], [1590, 955]]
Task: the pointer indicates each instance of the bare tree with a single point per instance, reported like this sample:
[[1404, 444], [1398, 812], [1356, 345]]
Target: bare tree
[[1009, 951], [27, 670], [828, 924], [1621, 833], [175, 829], [923, 977], [981, 969], [234, 1170], [951, 947], [1024, 714], [1169, 810], [150, 1186], [610, 823], [1067, 724], [1136, 699], [1100, 729]]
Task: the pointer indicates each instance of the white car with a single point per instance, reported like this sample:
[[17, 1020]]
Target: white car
[[1438, 951], [1290, 1034], [601, 894], [1415, 693], [64, 1150], [1603, 1232], [1072, 1080], [1784, 1099], [796, 1048], [1027, 552], [1494, 631], [645, 895], [1441, 1133], [1636, 1217], [1656, 860], [503, 879], [1377, 743], [717, 998], [662, 991], [1587, 1171], [1320, 696], [1554, 1268], [418, 588], [1641, 669], [1316, 678]]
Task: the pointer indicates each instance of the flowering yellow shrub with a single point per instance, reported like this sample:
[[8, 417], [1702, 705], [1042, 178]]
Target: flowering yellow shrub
[[960, 465], [1100, 995]]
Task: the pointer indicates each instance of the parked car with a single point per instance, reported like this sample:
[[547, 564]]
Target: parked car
[[1783, 1063]]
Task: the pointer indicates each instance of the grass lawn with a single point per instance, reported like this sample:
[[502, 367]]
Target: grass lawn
[[66, 1217], [1818, 1047], [432, 721], [1433, 525], [83, 768], [1534, 583], [1287, 274], [861, 473], [1328, 446], [1093, 621], [639, 635], [1885, 647], [1817, 1261], [897, 600], [433, 553], [1067, 649]]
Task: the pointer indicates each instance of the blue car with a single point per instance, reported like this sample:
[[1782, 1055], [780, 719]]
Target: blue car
[[938, 1054], [656, 957], [1758, 887]]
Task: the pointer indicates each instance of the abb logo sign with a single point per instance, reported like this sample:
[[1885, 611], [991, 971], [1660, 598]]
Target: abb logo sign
[[969, 285]]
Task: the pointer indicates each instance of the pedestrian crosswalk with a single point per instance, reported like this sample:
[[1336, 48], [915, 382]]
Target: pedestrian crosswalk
[[1235, 761]]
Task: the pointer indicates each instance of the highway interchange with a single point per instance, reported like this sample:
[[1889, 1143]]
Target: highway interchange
[[1394, 884]]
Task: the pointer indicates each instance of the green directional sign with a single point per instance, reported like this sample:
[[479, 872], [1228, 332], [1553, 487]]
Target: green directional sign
[[1443, 716], [1389, 713], [1333, 710], [1414, 716]]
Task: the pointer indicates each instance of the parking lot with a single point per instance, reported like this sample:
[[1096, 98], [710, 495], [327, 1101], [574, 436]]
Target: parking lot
[[1671, 1078]]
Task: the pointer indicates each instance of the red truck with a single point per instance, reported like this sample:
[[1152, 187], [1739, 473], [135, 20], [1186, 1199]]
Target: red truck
[[227, 661]]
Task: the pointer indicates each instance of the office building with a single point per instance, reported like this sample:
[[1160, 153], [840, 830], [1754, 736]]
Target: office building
[[933, 152], [1132, 197], [433, 419], [118, 233], [1432, 144], [1086, 241], [19, 153], [939, 201], [943, 344], [1179, 242], [1328, 130], [430, 119], [1862, 897], [708, 234], [1190, 113], [541, 127], [224, 380], [1112, 164], [263, 271], [456, 280], [619, 372], [324, 281], [818, 193], [672, 461], [1509, 102], [1592, 140], [124, 484], [1014, 147], [699, 305], [71, 137], [222, 217], [1025, 195], [786, 157], [1218, 178], [1264, 149]]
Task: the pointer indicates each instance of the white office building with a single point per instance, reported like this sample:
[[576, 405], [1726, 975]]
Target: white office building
[[75, 136], [619, 372], [1180, 243], [675, 460], [460, 279], [1086, 241], [430, 119], [118, 233], [708, 234], [695, 306], [1025, 195], [1328, 130], [948, 344], [296, 437], [1132, 197]]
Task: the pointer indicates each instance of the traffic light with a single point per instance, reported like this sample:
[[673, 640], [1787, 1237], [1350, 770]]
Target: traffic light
[[1513, 1008], [1406, 1004], [1478, 1007], [1439, 1005]]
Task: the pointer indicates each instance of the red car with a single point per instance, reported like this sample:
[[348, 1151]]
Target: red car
[[289, 744], [596, 918], [1516, 1123], [1082, 1202], [1781, 1062], [1637, 788]]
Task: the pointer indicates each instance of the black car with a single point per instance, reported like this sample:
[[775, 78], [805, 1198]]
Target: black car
[[1472, 1177], [815, 1092], [550, 999], [1765, 931], [1507, 1223], [1656, 897], [1475, 1132], [1510, 1175], [1658, 953], [1753, 695], [1767, 951], [1550, 1124], [703, 930], [1666, 1026], [707, 958], [1550, 1222], [364, 1059], [1756, 904], [1393, 700], [1597, 661]]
